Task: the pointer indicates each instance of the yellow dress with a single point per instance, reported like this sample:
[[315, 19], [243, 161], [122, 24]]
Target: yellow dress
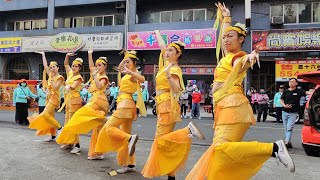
[[73, 102], [170, 149], [115, 134], [45, 122], [91, 116], [228, 158]]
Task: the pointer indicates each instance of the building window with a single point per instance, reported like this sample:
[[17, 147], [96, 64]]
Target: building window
[[188, 15], [211, 14], [154, 17], [27, 25], [199, 15], [119, 19], [56, 23], [165, 16], [98, 21], [176, 16], [290, 13], [67, 23], [78, 22], [108, 20], [316, 12], [308, 12], [87, 22], [182, 15]]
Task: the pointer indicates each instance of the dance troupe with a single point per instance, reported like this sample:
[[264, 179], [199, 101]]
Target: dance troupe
[[227, 158]]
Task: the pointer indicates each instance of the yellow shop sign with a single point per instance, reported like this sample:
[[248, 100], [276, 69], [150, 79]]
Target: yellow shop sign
[[67, 42]]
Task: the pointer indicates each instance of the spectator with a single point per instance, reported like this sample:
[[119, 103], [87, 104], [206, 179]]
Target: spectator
[[189, 90], [277, 104], [134, 97], [249, 92], [145, 94], [263, 105], [22, 95], [290, 101], [254, 101], [62, 89], [114, 90], [42, 98], [184, 103], [196, 99]]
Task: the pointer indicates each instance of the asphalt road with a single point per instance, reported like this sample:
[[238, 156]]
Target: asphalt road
[[24, 156]]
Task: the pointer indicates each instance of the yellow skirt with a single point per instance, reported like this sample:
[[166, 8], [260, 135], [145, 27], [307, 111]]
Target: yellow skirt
[[115, 135], [228, 158], [66, 137], [169, 151], [44, 122], [84, 120]]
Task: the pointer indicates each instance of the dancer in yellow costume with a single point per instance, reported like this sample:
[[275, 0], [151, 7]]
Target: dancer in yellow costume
[[116, 133], [228, 158], [170, 148], [72, 102], [93, 114], [45, 122]]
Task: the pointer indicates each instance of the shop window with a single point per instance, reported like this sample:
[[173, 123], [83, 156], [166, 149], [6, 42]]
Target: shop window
[[166, 16], [316, 12], [43, 24], [108, 20], [119, 19], [17, 68], [199, 15], [154, 17], [176, 16], [98, 21], [188, 15]]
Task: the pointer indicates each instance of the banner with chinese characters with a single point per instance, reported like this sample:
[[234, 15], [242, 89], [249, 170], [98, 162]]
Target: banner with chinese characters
[[67, 42], [99, 42], [193, 38], [289, 69], [287, 40], [10, 45]]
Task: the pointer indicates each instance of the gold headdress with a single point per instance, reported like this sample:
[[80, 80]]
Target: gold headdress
[[53, 63], [240, 28], [129, 54], [103, 60], [77, 61], [177, 45]]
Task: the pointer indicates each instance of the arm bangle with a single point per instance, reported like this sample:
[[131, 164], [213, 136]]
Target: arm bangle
[[227, 19]]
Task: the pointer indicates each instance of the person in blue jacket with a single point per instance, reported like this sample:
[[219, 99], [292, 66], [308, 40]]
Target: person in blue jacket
[[21, 96], [42, 96]]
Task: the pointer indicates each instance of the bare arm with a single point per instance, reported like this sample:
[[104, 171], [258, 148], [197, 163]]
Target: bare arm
[[173, 79], [66, 62], [225, 22], [45, 62], [160, 40], [57, 84], [137, 76], [99, 83], [90, 58]]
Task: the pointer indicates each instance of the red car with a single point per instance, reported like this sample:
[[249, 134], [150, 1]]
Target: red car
[[311, 126]]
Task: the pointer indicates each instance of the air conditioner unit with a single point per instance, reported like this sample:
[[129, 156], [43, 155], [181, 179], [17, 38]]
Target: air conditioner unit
[[277, 20], [120, 5]]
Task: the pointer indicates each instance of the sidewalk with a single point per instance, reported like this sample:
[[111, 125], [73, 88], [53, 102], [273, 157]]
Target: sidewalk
[[203, 114]]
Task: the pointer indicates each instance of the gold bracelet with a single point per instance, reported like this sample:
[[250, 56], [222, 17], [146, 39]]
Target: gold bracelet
[[227, 19]]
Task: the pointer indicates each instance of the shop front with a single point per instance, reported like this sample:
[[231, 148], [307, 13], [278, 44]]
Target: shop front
[[292, 51]]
